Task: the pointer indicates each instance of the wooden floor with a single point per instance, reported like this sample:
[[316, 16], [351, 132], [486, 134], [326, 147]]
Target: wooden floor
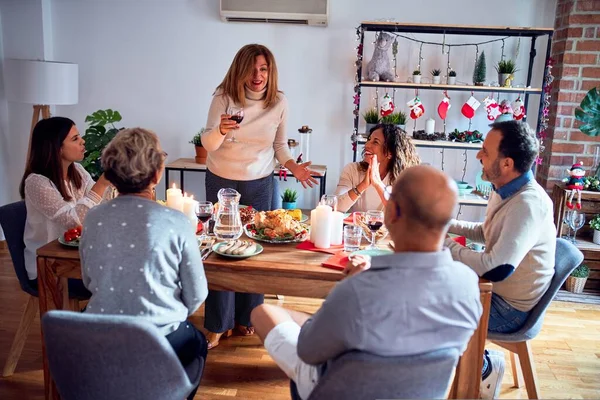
[[567, 354]]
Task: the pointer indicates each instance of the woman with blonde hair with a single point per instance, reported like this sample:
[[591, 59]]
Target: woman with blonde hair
[[386, 154], [242, 150], [140, 258]]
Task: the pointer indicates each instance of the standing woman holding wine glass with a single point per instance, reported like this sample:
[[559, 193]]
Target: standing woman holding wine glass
[[245, 134]]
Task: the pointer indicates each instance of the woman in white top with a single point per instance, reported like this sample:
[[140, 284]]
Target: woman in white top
[[58, 192], [386, 154]]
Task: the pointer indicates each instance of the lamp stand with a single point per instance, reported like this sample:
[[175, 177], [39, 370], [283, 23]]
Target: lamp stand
[[38, 109]]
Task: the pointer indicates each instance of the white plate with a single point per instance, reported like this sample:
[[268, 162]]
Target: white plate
[[217, 246], [277, 241], [304, 218]]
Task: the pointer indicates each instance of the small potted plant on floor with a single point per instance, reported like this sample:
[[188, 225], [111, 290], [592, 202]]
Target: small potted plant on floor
[[595, 224], [201, 153], [506, 70], [452, 77], [288, 199], [437, 76], [416, 76], [576, 281], [371, 118], [397, 118]]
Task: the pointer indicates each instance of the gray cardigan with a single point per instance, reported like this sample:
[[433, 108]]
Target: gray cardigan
[[141, 258]]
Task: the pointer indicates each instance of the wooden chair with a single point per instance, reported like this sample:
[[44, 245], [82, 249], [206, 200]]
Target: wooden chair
[[567, 258]]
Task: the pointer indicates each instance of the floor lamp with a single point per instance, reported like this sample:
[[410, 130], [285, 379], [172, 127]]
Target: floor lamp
[[41, 83]]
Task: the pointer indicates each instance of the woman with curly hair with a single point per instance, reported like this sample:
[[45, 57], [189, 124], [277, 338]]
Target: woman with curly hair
[[387, 153]]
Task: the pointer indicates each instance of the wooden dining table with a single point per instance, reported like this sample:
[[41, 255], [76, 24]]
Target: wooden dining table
[[279, 269]]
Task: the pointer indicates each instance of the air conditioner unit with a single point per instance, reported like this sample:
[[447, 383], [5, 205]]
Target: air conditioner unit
[[299, 12]]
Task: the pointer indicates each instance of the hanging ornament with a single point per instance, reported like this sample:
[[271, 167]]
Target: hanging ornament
[[468, 109], [518, 109], [416, 108], [387, 105], [492, 108], [443, 107]]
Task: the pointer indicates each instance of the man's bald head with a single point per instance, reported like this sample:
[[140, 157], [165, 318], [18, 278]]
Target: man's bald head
[[427, 197]]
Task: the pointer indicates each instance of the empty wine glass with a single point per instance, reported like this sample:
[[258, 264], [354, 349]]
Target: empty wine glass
[[237, 115], [330, 200], [576, 221], [374, 220], [204, 213], [566, 218]]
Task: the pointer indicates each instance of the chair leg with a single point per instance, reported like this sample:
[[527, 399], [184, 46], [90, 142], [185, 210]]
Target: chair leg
[[516, 370], [20, 336], [528, 368]]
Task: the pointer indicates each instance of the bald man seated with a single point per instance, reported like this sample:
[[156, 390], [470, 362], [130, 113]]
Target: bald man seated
[[414, 301]]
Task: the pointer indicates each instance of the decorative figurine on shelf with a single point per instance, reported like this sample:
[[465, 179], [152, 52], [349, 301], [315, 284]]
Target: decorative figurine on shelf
[[387, 106], [575, 183], [379, 68]]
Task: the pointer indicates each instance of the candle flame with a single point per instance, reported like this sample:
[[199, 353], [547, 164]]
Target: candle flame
[[174, 187]]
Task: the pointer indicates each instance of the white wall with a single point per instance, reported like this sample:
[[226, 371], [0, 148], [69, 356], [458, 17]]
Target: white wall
[[158, 62]]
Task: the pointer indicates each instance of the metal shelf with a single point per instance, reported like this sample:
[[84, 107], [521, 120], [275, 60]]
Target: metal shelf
[[376, 26], [442, 144], [472, 200], [459, 88]]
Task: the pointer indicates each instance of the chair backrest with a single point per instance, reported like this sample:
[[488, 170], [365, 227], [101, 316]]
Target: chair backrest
[[112, 357], [12, 220], [358, 375], [566, 259]]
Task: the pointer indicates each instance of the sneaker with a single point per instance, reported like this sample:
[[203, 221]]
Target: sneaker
[[491, 384]]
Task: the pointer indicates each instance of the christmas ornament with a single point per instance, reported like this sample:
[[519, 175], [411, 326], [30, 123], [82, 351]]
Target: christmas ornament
[[443, 107], [416, 108], [575, 183], [543, 125], [468, 109], [492, 108], [519, 109], [387, 106]]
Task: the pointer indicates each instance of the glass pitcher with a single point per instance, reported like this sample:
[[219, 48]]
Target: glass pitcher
[[228, 224]]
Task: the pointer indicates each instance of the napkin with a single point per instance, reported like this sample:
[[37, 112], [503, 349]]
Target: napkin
[[349, 219], [337, 261], [462, 240], [308, 245]]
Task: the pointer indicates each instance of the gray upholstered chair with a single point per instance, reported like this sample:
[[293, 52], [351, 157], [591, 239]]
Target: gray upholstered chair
[[114, 357], [567, 258], [357, 375]]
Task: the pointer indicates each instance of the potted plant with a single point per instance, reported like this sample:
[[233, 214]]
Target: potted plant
[[576, 281], [288, 199], [506, 70], [595, 224], [397, 118], [371, 118], [416, 76], [437, 78], [480, 71], [201, 153], [451, 77], [100, 132]]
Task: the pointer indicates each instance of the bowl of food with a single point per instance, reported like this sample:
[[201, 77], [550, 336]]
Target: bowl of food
[[71, 237], [276, 226]]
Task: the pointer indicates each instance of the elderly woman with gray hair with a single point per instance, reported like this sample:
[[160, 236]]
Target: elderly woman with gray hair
[[140, 258]]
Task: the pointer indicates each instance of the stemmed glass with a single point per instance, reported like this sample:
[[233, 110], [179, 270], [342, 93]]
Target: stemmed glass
[[204, 213], [566, 219], [330, 200], [374, 220], [576, 221], [237, 115]]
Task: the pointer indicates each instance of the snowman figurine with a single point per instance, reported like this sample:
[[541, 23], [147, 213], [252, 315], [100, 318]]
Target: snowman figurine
[[387, 107], [575, 184]]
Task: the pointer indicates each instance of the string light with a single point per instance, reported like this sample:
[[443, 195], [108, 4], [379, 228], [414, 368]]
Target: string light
[[502, 56]]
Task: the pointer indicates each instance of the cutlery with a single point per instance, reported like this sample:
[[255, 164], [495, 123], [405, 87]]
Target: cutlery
[[205, 256]]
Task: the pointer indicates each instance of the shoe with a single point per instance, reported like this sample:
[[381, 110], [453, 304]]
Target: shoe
[[213, 338], [492, 383], [245, 330]]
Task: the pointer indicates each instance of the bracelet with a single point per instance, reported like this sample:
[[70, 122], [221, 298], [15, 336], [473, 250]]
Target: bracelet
[[356, 192]]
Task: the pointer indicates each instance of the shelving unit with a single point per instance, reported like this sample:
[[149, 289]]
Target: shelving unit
[[456, 88]]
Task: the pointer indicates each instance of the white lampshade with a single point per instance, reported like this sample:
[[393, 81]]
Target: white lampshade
[[41, 82]]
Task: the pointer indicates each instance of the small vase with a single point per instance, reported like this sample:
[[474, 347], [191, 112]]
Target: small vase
[[403, 127], [502, 80], [451, 80], [417, 79], [504, 118], [437, 79], [596, 238], [368, 128], [286, 205], [575, 285], [201, 155]]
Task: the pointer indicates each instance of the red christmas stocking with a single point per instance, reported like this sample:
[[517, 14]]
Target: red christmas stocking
[[468, 109], [416, 108], [518, 109], [443, 107], [492, 108]]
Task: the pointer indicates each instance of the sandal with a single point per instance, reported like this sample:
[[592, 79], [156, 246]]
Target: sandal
[[245, 330], [213, 338]]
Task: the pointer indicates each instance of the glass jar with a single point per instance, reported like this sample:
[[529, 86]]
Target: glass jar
[[305, 133]]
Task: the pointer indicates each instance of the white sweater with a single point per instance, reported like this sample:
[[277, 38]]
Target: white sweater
[[350, 177], [262, 135]]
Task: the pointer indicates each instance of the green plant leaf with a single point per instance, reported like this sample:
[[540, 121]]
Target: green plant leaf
[[589, 113]]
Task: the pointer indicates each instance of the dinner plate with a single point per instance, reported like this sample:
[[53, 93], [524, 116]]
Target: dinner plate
[[249, 227], [62, 241], [304, 218], [373, 252], [217, 246]]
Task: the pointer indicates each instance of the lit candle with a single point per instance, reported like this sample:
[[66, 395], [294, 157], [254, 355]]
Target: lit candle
[[322, 233], [313, 225], [189, 209], [430, 126], [337, 228], [175, 198]]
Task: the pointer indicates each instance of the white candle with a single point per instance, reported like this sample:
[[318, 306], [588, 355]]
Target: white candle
[[189, 209], [322, 234], [337, 228], [430, 126], [175, 198], [313, 225]]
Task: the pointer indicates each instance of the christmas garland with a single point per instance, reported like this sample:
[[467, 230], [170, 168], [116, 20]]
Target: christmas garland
[[541, 134], [466, 136]]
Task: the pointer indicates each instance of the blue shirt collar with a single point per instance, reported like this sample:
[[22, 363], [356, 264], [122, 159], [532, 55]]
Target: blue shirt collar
[[515, 185]]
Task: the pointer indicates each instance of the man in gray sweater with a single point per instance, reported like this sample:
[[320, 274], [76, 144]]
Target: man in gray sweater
[[519, 236], [414, 301]]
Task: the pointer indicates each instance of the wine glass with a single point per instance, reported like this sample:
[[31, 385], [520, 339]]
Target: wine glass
[[204, 213], [566, 219], [330, 200], [374, 220], [576, 221], [237, 115]]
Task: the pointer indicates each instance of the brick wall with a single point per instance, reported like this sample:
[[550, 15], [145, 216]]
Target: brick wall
[[576, 51]]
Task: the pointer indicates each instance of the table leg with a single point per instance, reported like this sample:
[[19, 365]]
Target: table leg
[[166, 182], [467, 379], [50, 291], [181, 180]]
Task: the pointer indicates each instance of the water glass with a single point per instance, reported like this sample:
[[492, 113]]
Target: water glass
[[352, 237], [566, 219]]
